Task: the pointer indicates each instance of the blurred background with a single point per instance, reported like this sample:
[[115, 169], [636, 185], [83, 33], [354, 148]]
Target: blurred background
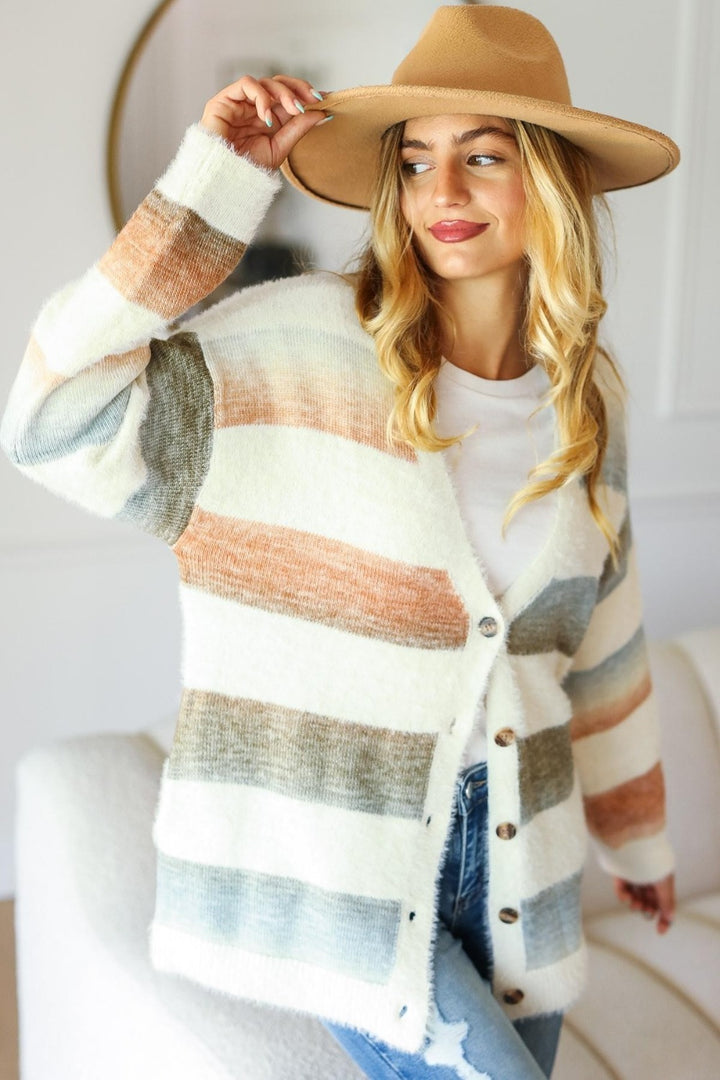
[[90, 639]]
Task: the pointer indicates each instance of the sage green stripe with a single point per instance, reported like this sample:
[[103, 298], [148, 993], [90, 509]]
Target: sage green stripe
[[546, 770], [176, 437], [611, 679], [302, 755], [556, 619], [69, 420], [279, 917], [614, 466], [612, 575], [551, 923]]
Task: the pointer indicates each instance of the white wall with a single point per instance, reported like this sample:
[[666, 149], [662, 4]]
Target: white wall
[[90, 638]]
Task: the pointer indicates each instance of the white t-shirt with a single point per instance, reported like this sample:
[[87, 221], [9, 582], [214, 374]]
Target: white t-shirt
[[489, 466]]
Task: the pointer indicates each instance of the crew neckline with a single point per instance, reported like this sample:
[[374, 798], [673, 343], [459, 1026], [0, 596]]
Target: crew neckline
[[532, 383]]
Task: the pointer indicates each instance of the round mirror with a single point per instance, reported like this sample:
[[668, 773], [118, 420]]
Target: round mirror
[[190, 49]]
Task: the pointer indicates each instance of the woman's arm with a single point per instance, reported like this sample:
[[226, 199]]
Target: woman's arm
[[614, 724], [107, 410]]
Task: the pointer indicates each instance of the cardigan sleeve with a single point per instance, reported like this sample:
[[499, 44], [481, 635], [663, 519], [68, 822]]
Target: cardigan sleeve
[[111, 409], [614, 724]]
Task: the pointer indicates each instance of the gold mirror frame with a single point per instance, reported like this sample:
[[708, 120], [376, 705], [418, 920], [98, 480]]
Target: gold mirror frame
[[112, 150]]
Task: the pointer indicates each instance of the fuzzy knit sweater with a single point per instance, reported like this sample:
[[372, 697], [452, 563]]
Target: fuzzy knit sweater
[[338, 631]]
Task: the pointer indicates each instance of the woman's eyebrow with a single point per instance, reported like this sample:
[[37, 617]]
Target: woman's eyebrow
[[461, 140]]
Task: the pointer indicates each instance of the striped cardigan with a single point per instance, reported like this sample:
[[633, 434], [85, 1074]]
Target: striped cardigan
[[338, 631]]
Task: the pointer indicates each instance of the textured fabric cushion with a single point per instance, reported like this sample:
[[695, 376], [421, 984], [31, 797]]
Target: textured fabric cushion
[[90, 1005], [652, 1007]]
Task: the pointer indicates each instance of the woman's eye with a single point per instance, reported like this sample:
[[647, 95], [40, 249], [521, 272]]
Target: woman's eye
[[483, 159], [414, 168]]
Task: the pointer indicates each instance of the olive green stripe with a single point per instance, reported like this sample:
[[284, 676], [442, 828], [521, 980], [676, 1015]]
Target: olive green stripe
[[612, 575], [175, 437], [556, 619], [546, 772], [302, 755]]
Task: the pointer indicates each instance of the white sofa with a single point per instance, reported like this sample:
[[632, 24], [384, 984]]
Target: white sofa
[[92, 1008]]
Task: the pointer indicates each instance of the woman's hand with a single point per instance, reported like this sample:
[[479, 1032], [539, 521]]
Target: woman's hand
[[263, 118], [655, 900]]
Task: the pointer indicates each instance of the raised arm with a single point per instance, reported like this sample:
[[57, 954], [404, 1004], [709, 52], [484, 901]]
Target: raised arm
[[108, 410]]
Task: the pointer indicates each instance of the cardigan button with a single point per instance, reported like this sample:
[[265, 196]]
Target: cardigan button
[[488, 627], [513, 997], [508, 915], [506, 831], [505, 737]]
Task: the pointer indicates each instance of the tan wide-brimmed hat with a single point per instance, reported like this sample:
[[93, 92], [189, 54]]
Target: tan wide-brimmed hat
[[494, 61]]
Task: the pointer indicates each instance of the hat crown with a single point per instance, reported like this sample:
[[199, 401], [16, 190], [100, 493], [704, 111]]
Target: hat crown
[[498, 49]]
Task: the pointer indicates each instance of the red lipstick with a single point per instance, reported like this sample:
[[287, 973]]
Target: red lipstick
[[454, 232]]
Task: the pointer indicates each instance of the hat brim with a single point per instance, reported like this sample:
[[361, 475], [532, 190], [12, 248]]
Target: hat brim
[[337, 162]]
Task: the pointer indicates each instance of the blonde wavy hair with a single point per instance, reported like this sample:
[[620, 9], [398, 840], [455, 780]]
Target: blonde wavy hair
[[398, 303]]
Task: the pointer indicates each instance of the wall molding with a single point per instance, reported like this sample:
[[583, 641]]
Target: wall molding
[[689, 383]]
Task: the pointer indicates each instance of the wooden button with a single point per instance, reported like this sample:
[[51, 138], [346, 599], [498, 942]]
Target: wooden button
[[513, 997], [505, 737], [508, 915], [506, 831]]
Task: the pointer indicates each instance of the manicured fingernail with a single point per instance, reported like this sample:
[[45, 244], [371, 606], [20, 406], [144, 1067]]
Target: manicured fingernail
[[298, 105], [325, 120], [269, 118], [317, 94]]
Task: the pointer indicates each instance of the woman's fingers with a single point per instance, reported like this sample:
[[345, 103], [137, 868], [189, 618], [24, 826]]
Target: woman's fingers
[[656, 900], [271, 96], [262, 117]]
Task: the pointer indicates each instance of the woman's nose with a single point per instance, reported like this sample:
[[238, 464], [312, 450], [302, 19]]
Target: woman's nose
[[450, 187]]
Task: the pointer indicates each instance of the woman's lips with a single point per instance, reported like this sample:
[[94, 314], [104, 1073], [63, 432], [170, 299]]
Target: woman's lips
[[453, 232]]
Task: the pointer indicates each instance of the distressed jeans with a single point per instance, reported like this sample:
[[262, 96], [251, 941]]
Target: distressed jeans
[[469, 1036]]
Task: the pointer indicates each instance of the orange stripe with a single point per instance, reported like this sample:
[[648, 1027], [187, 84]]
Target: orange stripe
[[292, 397], [307, 576], [607, 716], [628, 811], [167, 257]]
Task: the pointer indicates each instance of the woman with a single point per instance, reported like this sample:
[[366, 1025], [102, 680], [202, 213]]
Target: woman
[[396, 720]]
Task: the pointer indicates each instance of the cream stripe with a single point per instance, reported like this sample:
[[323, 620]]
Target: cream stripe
[[292, 983], [254, 829], [289, 477], [546, 989], [525, 858], [620, 753], [205, 169], [648, 858], [575, 547], [89, 320], [614, 621], [248, 652]]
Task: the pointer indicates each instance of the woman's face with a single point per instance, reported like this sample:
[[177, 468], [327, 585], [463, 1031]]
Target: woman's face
[[463, 194]]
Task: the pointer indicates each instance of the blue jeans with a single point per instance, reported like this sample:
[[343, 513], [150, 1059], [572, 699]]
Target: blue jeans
[[469, 1036]]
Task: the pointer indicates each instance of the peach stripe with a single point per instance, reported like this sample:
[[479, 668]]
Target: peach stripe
[[628, 811], [39, 378], [169, 276], [607, 716], [307, 576], [291, 398]]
